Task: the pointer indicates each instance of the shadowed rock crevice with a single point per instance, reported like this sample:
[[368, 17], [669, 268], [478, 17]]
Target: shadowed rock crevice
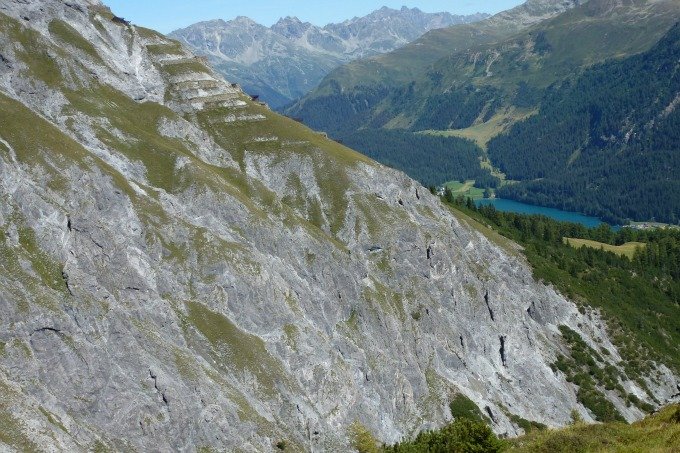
[[162, 394], [65, 278], [490, 414], [488, 305]]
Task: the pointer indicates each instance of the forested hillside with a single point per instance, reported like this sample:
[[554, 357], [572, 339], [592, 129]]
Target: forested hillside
[[605, 144], [477, 81], [429, 159]]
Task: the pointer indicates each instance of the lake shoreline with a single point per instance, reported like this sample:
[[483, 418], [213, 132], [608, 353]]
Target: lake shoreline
[[506, 205]]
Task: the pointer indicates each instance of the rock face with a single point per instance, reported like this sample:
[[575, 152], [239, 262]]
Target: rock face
[[182, 268], [284, 62]]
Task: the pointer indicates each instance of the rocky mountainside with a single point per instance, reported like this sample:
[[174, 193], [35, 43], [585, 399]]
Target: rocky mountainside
[[183, 268], [285, 61]]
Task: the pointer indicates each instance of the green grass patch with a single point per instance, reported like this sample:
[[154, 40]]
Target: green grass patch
[[482, 133], [186, 365], [628, 249], [657, 433], [235, 349], [12, 430], [33, 52], [48, 270], [68, 35], [139, 122], [463, 407], [170, 48], [45, 147], [53, 419], [186, 67], [292, 333], [466, 189]]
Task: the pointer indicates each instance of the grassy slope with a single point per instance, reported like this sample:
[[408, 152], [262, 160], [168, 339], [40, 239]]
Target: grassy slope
[[467, 189], [577, 38], [412, 61], [657, 433], [573, 40], [627, 249], [482, 132]]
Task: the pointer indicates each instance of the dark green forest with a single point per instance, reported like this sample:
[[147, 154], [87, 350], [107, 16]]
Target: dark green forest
[[606, 144], [343, 112], [432, 160], [457, 109]]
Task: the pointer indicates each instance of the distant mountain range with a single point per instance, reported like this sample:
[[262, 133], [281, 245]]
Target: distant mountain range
[[475, 81], [283, 62]]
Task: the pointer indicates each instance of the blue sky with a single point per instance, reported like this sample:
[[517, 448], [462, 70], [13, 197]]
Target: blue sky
[[168, 15]]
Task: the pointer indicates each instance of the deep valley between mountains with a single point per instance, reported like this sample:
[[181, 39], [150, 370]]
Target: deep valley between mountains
[[183, 269]]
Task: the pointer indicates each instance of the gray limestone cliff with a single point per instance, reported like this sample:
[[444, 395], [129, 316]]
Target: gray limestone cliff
[[182, 268]]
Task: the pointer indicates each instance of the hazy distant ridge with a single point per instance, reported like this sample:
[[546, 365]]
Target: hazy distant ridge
[[283, 62]]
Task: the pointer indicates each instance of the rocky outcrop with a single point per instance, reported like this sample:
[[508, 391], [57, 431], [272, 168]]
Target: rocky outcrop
[[182, 268]]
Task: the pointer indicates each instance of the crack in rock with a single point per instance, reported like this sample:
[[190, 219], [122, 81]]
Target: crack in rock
[[488, 306]]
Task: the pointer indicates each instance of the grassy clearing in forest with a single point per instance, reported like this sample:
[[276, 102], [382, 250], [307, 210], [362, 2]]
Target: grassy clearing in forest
[[467, 189], [627, 249]]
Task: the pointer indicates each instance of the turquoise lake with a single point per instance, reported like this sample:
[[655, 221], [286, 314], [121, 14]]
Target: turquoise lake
[[557, 214]]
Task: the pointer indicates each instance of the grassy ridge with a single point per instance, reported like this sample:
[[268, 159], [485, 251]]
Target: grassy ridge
[[657, 433]]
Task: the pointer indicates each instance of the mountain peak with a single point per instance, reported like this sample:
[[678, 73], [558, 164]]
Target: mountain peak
[[244, 20], [291, 27], [289, 20]]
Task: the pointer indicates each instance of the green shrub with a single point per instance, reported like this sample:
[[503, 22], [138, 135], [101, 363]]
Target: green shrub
[[464, 407], [362, 439], [526, 425], [461, 436]]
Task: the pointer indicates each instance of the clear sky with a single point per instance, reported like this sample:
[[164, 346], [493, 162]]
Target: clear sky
[[168, 15]]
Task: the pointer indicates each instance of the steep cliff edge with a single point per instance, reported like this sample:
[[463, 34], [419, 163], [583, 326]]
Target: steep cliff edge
[[183, 268]]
